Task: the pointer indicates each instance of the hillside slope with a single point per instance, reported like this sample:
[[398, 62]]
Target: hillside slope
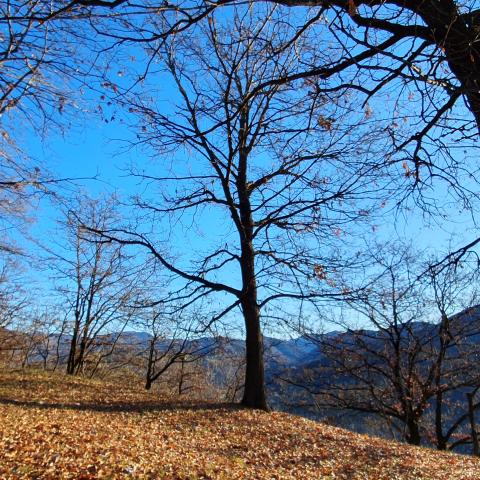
[[54, 428]]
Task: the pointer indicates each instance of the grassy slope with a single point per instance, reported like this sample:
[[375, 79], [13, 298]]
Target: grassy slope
[[85, 429]]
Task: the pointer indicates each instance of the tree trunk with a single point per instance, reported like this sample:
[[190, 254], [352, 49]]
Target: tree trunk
[[150, 363], [413, 434], [457, 36], [72, 353], [254, 392], [441, 440], [473, 426], [80, 360]]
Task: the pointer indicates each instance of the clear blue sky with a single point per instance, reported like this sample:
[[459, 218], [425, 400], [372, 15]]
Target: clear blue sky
[[92, 149]]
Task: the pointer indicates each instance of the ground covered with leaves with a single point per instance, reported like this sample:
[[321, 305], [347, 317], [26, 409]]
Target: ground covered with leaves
[[52, 427]]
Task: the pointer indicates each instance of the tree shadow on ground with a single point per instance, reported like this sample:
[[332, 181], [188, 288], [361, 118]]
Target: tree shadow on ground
[[113, 407]]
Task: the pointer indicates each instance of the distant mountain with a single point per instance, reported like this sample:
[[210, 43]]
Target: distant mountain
[[135, 338]]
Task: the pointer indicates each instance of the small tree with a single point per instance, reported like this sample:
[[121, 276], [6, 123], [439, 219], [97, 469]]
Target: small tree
[[171, 345], [14, 303], [98, 285], [13, 300]]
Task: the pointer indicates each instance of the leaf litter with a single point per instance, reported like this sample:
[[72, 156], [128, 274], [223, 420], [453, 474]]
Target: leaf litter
[[54, 427]]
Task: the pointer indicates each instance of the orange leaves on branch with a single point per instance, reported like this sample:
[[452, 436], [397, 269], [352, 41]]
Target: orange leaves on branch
[[352, 8], [325, 123], [320, 272], [410, 173]]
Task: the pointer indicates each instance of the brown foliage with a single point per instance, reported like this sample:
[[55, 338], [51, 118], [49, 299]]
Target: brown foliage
[[57, 428]]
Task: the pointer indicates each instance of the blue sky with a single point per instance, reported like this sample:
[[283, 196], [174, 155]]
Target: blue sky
[[95, 151], [92, 148]]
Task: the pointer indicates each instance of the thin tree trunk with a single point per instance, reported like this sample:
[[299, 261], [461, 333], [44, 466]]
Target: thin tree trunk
[[81, 353], [72, 352], [150, 363], [441, 441], [182, 378], [473, 425]]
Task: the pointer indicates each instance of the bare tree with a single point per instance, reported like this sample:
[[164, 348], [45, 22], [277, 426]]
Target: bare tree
[[172, 344], [98, 286], [283, 177], [12, 296], [415, 62], [430, 45], [14, 307], [41, 69], [226, 370], [397, 47], [414, 355], [46, 330]]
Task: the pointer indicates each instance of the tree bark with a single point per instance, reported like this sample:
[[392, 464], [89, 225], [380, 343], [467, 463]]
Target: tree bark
[[441, 440], [457, 36], [413, 435], [254, 395], [73, 351], [150, 363], [473, 425]]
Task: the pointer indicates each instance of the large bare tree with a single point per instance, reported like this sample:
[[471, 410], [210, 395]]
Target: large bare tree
[[431, 46], [273, 178], [417, 62], [42, 68], [399, 47]]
